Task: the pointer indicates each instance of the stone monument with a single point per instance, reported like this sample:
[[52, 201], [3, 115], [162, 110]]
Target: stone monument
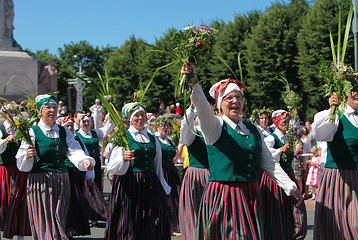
[[48, 79], [19, 72]]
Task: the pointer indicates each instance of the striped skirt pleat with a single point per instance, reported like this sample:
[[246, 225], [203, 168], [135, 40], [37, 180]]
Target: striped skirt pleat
[[138, 208], [172, 177], [17, 219], [192, 188], [6, 188], [77, 220], [336, 212], [281, 218], [48, 196], [230, 210], [96, 206]]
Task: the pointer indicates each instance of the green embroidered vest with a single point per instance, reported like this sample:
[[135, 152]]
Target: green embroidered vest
[[144, 154], [92, 144], [234, 156], [168, 151], [198, 155], [51, 151], [342, 152], [9, 155], [285, 165]]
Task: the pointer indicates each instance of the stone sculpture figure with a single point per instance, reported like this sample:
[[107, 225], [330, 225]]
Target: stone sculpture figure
[[7, 15], [48, 79], [9, 18]]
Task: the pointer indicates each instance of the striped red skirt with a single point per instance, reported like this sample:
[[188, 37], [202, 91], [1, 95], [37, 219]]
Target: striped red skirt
[[138, 208], [336, 212], [281, 218], [172, 177], [192, 188], [14, 215], [48, 196], [230, 210], [77, 219]]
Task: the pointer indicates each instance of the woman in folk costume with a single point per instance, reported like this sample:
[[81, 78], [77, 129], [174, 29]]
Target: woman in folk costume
[[14, 216], [97, 206], [77, 219], [48, 189], [150, 122], [195, 178], [91, 139], [281, 218], [230, 206], [337, 200], [170, 172], [138, 199], [262, 120]]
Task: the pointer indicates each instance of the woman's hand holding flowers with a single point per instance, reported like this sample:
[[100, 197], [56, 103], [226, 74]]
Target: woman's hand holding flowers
[[189, 69]]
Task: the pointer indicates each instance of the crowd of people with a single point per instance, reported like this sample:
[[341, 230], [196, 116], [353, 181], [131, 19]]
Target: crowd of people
[[243, 179]]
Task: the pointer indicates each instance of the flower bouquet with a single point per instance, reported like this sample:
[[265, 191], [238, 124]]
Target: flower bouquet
[[292, 101], [294, 133], [339, 77], [175, 136], [20, 124], [191, 43]]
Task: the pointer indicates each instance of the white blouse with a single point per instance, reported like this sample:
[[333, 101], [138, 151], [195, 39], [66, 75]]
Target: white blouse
[[118, 166], [265, 132], [270, 143], [323, 130], [163, 140], [212, 127], [186, 135], [101, 132], [9, 130], [75, 153]]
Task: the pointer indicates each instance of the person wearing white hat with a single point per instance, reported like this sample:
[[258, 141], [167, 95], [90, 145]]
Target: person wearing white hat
[[163, 126], [337, 199], [236, 150], [97, 206], [150, 122], [97, 114], [138, 198], [292, 220], [77, 218], [12, 199], [91, 139], [48, 190]]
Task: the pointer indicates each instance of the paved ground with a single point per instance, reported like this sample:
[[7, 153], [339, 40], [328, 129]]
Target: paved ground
[[97, 232]]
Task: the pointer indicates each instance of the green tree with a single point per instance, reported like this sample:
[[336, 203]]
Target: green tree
[[314, 46], [271, 50], [125, 63], [91, 59], [229, 43]]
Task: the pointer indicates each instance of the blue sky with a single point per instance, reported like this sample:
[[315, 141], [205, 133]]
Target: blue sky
[[49, 24]]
